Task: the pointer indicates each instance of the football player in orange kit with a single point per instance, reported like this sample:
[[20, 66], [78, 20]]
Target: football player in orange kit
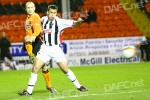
[[33, 40]]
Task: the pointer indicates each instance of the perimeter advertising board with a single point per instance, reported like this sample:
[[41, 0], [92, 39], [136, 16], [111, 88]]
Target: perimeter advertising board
[[90, 51]]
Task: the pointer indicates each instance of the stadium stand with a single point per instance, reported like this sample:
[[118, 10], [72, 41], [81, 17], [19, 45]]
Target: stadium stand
[[110, 23], [140, 19]]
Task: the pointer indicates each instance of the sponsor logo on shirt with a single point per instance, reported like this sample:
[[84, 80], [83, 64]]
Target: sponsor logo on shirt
[[49, 31], [28, 27]]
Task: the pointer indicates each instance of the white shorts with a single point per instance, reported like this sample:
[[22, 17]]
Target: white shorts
[[51, 52]]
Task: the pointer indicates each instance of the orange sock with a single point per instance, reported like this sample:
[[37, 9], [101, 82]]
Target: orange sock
[[29, 48], [46, 75]]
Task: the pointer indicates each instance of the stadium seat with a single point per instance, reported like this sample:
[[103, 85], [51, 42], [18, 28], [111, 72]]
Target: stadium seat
[[40, 1], [4, 25], [74, 15], [22, 32], [4, 17], [87, 2], [49, 1], [116, 23], [147, 7], [77, 30], [14, 1], [124, 16], [109, 34], [93, 24], [128, 22], [5, 2], [87, 7], [112, 28], [35, 1], [8, 33], [87, 30], [41, 14], [119, 28], [124, 28], [65, 37], [96, 2], [110, 22], [59, 14], [22, 17], [23, 1], [84, 24], [100, 35], [96, 30], [8, 7], [43, 7], [118, 34], [13, 17], [103, 29], [68, 31], [136, 33]]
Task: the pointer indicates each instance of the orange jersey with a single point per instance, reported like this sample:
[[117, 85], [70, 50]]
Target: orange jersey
[[33, 25]]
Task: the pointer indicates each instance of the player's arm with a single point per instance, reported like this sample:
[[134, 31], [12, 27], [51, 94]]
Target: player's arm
[[65, 23], [77, 22], [36, 27]]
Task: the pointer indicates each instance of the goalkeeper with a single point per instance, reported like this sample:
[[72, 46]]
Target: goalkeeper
[[32, 40]]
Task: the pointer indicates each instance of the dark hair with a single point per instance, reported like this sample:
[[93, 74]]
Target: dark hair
[[52, 7]]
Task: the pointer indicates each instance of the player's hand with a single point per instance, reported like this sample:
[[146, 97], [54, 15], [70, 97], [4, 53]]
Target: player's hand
[[30, 38], [33, 38], [80, 20], [27, 38], [31, 57], [77, 22]]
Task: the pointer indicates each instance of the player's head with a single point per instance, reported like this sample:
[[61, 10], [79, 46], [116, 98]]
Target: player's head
[[52, 11], [30, 8]]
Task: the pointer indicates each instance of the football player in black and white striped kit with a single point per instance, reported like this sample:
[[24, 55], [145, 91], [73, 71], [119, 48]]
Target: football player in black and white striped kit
[[52, 27]]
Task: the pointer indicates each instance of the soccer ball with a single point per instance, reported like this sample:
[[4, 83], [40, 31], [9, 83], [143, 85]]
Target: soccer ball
[[129, 51]]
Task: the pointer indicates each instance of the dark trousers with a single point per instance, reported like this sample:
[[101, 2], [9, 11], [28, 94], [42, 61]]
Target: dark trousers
[[145, 50], [6, 53]]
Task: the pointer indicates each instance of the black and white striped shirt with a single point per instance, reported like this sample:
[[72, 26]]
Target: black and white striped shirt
[[52, 30]]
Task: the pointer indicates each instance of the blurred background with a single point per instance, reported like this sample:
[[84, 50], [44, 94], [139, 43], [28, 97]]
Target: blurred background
[[103, 19]]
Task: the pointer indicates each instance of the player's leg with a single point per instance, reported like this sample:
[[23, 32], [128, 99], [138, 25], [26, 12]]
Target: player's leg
[[33, 77], [29, 48], [40, 60], [46, 75], [14, 65], [3, 55], [61, 61], [71, 76]]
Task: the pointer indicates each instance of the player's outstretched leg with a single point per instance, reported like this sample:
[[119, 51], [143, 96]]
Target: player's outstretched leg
[[24, 93], [74, 80], [64, 67]]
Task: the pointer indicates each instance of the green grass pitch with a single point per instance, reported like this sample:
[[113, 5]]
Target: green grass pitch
[[105, 82]]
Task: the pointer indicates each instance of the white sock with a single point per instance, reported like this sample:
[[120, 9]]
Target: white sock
[[32, 81], [14, 64], [73, 78]]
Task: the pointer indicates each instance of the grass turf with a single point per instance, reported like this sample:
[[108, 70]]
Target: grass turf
[[105, 82]]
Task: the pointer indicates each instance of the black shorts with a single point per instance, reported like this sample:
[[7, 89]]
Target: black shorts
[[36, 46]]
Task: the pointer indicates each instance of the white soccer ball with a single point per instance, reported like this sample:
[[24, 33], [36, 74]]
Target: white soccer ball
[[129, 51]]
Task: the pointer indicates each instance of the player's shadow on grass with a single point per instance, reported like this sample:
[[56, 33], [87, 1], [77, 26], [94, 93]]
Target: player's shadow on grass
[[41, 91]]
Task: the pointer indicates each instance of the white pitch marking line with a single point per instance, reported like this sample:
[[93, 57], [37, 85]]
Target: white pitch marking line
[[98, 94], [126, 92]]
